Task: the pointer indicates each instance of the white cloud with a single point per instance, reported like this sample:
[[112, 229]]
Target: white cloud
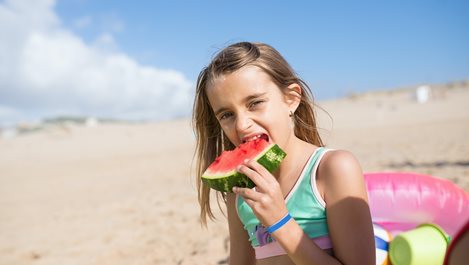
[[46, 70]]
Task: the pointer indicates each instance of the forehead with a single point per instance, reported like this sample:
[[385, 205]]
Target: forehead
[[250, 74], [238, 85]]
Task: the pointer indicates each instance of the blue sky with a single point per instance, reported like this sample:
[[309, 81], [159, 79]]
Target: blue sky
[[336, 46]]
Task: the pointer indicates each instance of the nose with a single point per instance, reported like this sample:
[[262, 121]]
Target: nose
[[243, 123]]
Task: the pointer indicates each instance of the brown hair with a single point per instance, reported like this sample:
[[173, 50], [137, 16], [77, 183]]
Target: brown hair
[[210, 137]]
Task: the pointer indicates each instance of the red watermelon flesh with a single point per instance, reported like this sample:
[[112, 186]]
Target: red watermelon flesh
[[221, 175]]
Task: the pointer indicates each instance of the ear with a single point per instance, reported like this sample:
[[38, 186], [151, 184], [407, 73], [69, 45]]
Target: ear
[[293, 96]]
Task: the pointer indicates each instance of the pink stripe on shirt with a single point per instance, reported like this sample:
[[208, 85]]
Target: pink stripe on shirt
[[274, 249]]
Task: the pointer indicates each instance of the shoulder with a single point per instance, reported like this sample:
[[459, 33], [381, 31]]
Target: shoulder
[[341, 174], [347, 206], [337, 162]]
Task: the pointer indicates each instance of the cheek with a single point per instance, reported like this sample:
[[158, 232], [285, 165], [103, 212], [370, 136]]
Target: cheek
[[282, 127], [277, 115], [230, 135]]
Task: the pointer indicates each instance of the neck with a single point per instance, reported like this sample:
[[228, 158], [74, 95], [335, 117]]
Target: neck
[[298, 152]]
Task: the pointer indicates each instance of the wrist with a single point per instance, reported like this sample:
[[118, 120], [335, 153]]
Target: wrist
[[279, 224]]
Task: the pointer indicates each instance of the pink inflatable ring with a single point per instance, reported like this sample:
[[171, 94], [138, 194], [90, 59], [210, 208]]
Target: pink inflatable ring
[[401, 201]]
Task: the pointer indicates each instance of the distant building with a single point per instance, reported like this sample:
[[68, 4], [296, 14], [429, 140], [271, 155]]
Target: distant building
[[8, 133], [91, 122], [423, 94]]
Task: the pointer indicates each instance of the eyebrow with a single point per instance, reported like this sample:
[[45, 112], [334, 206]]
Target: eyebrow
[[246, 99]]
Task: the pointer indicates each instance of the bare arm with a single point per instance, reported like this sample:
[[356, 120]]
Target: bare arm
[[347, 211], [300, 248], [241, 251]]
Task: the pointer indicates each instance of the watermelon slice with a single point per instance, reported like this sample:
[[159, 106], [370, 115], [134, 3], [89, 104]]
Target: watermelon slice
[[221, 175]]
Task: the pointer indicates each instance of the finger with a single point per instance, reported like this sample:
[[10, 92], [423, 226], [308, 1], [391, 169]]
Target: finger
[[248, 194], [260, 169], [253, 175], [249, 202]]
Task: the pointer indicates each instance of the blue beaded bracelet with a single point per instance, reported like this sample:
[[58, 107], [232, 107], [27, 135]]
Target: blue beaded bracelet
[[279, 224]]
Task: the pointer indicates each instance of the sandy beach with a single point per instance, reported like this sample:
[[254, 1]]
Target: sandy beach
[[121, 193]]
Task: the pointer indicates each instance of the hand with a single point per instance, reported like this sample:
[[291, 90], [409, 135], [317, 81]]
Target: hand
[[266, 199]]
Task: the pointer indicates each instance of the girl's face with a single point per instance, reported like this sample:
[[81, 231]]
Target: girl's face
[[248, 105]]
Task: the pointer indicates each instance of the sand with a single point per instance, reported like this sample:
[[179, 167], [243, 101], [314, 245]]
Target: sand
[[124, 193]]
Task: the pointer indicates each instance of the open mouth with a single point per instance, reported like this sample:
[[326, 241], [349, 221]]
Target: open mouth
[[255, 137]]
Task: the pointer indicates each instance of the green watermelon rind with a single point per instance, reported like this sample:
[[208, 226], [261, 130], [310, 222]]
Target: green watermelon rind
[[270, 159]]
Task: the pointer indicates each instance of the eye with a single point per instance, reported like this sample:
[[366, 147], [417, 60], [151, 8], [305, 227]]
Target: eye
[[225, 115], [255, 103]]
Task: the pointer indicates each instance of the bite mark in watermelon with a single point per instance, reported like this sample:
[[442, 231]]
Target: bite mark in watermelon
[[221, 175]]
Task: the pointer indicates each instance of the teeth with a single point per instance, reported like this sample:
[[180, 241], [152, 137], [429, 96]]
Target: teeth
[[253, 138]]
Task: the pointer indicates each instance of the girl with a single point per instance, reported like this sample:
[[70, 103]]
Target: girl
[[313, 209]]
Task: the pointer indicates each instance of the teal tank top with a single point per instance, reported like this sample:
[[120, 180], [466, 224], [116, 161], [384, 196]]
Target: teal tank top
[[303, 202]]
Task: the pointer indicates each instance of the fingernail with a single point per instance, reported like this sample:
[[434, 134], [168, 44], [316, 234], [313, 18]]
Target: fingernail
[[234, 189], [246, 160]]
